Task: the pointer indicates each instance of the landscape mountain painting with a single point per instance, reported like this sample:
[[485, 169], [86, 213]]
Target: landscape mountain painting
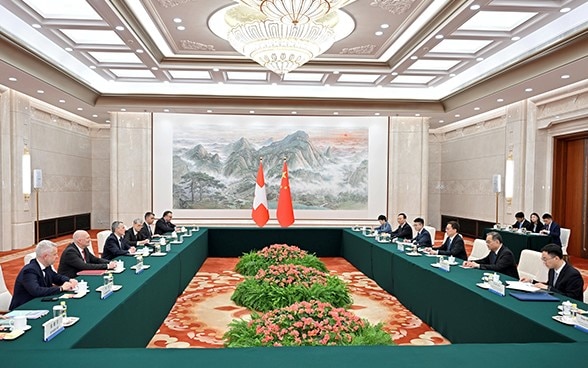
[[215, 163]]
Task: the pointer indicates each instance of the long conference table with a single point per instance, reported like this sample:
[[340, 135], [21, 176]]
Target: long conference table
[[115, 331]]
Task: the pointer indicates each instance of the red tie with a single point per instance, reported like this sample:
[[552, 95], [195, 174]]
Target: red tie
[[83, 255]]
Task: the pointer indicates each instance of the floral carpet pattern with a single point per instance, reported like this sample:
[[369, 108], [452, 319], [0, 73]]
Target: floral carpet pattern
[[201, 314]]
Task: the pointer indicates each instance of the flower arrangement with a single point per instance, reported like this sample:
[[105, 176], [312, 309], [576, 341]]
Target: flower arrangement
[[282, 285], [305, 324], [250, 263]]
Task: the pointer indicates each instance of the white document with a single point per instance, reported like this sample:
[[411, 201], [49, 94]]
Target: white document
[[522, 286]]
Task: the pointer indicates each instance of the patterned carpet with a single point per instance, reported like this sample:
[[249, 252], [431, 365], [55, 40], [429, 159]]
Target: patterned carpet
[[201, 314]]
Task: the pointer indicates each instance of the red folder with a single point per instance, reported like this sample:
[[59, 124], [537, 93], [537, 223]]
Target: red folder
[[91, 273]]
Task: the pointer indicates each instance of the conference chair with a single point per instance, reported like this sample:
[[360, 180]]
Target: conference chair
[[5, 296], [531, 266], [565, 238], [29, 257], [432, 231], [586, 295], [479, 250], [102, 239]]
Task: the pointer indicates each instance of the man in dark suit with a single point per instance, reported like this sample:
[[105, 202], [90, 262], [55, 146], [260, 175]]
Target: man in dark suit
[[116, 245], [521, 222], [453, 245], [551, 228], [134, 236], [422, 238], [148, 229], [500, 258], [76, 257], [404, 231], [562, 278], [38, 279], [164, 225]]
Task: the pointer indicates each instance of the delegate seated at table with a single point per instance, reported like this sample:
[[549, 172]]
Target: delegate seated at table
[[552, 229], [116, 245], [422, 238], [384, 225], [521, 222], [404, 231], [38, 279], [148, 229], [536, 224], [500, 259], [561, 278], [164, 225], [76, 257], [453, 245], [134, 236]]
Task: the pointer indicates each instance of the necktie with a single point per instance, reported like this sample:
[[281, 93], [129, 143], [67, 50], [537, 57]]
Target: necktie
[[84, 255], [492, 257], [120, 243], [47, 276], [449, 244], [555, 275]]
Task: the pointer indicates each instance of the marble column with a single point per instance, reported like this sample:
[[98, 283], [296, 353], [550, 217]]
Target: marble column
[[408, 167], [130, 166]]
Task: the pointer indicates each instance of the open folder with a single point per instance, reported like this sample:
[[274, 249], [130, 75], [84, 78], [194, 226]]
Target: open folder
[[534, 297]]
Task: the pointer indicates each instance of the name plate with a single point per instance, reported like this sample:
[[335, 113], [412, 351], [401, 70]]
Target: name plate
[[400, 247], [582, 323], [444, 265], [138, 268], [106, 290], [52, 328], [168, 247], [497, 287]]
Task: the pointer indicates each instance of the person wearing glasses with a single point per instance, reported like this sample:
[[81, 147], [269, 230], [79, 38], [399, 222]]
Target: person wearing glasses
[[404, 231], [562, 278]]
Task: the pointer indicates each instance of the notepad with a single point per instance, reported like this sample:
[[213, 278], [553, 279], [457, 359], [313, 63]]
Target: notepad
[[30, 314], [91, 273], [534, 297]]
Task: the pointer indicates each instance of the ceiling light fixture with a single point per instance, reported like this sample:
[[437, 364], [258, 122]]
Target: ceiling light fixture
[[565, 76], [12, 79], [295, 12], [36, 25], [120, 28], [279, 47]]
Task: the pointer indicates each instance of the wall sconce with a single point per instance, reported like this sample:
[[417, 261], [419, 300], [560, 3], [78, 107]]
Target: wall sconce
[[26, 173], [509, 178]]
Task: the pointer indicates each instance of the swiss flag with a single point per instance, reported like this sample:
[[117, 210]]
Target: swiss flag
[[285, 212], [260, 213]]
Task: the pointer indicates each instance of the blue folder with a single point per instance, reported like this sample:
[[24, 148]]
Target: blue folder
[[535, 297]]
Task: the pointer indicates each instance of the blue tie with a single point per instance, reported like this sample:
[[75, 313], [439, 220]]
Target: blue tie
[[449, 244], [492, 257]]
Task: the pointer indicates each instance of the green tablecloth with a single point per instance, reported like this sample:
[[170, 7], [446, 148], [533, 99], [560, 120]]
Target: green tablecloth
[[130, 316], [517, 242]]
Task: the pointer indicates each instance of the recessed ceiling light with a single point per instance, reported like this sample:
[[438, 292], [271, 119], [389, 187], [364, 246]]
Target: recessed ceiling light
[[565, 76], [379, 33], [441, 121], [294, 113], [336, 72], [384, 26], [515, 38], [12, 79], [36, 25], [476, 108], [457, 115], [564, 10], [479, 59], [40, 91], [414, 57], [180, 28], [417, 115], [208, 111], [80, 109], [139, 51], [252, 111], [120, 28], [165, 110], [68, 49], [528, 89], [377, 113], [439, 36], [557, 116], [335, 113], [215, 69], [500, 100], [452, 75], [107, 121], [177, 20], [154, 68], [92, 66], [394, 73], [61, 101], [95, 115], [123, 110], [475, 7]]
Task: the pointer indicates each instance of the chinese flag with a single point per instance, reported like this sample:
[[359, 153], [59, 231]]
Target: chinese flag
[[285, 212], [260, 213]]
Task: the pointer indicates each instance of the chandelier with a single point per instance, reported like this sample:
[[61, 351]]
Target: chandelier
[[279, 47], [295, 11]]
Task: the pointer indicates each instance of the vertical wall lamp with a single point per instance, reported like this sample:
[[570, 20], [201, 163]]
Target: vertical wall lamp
[[26, 173], [509, 178]]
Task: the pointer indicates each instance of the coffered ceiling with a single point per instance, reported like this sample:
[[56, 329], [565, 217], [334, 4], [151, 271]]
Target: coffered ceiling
[[440, 58]]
